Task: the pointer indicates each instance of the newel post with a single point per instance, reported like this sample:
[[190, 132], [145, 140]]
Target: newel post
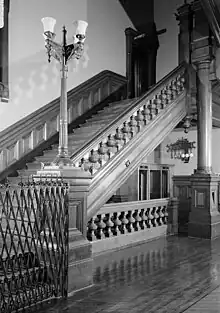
[[80, 259], [80, 249]]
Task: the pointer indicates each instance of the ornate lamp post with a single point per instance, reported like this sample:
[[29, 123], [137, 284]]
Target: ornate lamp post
[[63, 53]]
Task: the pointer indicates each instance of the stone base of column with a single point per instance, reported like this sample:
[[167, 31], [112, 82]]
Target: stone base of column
[[80, 262], [204, 218], [208, 228]]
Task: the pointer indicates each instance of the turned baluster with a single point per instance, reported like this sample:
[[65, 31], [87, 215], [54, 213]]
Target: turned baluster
[[131, 224], [119, 138], [174, 88], [138, 220], [169, 93], [102, 150], [151, 217], [92, 228], [178, 85], [140, 119], [144, 218], [133, 125], [165, 215], [111, 143], [164, 99], [182, 80], [126, 131], [124, 222], [103, 153], [117, 223], [161, 214], [158, 103], [94, 156], [156, 217], [153, 108], [84, 164], [147, 114], [101, 226], [109, 225]]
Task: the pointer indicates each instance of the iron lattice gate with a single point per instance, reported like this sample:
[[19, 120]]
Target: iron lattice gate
[[33, 243]]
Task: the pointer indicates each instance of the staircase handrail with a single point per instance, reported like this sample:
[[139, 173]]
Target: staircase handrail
[[135, 104], [19, 139]]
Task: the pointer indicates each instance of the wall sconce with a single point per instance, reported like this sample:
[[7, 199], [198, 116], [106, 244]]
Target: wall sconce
[[181, 149]]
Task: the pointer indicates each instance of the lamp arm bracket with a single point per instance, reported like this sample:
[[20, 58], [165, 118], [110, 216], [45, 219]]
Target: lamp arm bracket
[[54, 49], [74, 51]]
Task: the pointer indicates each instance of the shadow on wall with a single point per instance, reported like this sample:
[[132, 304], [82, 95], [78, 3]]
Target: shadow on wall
[[34, 82], [37, 82], [164, 14]]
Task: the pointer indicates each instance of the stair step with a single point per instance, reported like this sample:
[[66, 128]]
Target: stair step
[[105, 120], [104, 115], [92, 122], [121, 103], [26, 173], [46, 158], [33, 165], [111, 110], [87, 131], [80, 137]]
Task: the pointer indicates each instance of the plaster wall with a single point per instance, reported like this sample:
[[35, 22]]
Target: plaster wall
[[32, 81]]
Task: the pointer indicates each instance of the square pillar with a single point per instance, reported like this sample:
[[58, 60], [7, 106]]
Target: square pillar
[[80, 261], [204, 218]]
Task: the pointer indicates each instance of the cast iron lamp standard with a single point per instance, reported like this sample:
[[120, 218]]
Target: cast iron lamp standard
[[63, 53]]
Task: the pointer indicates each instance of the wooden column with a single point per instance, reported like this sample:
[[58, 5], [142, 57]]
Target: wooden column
[[204, 111], [185, 18], [204, 218], [130, 33], [151, 61], [4, 46]]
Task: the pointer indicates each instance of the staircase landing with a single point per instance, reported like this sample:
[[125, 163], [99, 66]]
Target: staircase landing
[[165, 275]]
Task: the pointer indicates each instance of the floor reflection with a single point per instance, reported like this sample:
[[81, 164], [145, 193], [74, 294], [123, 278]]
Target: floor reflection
[[165, 275]]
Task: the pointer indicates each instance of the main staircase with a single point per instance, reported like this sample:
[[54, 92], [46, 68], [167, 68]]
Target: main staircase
[[109, 142], [112, 143]]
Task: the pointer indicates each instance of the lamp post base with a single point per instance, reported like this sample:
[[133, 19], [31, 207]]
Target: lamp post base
[[62, 161]]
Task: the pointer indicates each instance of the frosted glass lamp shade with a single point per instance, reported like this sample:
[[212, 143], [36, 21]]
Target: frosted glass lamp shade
[[81, 27], [48, 23]]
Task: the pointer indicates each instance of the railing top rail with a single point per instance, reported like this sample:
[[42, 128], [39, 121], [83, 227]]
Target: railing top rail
[[133, 205], [135, 104], [25, 125]]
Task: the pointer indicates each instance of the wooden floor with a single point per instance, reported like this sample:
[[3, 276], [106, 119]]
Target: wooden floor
[[177, 274], [209, 304]]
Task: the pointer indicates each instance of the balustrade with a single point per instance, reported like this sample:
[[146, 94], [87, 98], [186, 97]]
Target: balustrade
[[27, 134], [121, 131], [123, 218]]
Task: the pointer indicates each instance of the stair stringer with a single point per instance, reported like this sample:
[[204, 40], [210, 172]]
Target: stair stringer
[[116, 172]]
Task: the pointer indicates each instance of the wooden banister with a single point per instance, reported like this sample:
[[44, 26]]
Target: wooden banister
[[19, 139]]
